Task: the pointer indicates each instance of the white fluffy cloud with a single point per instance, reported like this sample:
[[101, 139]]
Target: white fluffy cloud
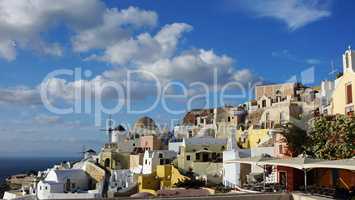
[[145, 48], [196, 65], [119, 37], [111, 30], [22, 22], [95, 25], [20, 96], [295, 13], [158, 55]]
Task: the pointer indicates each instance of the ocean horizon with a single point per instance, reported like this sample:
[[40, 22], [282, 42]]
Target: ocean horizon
[[15, 165]]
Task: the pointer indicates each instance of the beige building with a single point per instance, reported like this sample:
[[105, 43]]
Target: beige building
[[276, 92], [342, 101], [227, 120], [136, 160], [276, 105], [204, 157], [280, 114], [112, 159], [217, 123]]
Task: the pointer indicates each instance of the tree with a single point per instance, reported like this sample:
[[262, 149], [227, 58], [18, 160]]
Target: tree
[[295, 137], [332, 137]]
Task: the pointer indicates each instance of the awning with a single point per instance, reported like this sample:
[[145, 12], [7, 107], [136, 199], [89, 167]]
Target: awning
[[251, 160], [296, 162], [348, 164], [301, 163]]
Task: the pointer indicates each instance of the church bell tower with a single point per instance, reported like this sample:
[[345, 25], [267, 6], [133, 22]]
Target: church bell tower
[[349, 61]]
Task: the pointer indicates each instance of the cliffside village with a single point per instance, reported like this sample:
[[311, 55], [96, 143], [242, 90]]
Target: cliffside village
[[227, 147]]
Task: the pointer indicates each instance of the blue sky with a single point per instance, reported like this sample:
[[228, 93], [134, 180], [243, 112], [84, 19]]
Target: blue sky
[[246, 41]]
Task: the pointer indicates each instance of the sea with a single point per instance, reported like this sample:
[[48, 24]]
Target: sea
[[12, 166]]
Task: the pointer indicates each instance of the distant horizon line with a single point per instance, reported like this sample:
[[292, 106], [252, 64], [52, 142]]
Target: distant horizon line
[[38, 156]]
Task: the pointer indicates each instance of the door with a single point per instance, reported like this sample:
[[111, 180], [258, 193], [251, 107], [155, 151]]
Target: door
[[107, 163], [283, 179], [205, 157]]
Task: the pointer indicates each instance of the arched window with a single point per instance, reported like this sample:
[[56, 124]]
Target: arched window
[[278, 95], [107, 162]]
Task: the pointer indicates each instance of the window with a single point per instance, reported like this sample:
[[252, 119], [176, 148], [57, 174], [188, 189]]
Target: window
[[229, 119], [197, 156], [160, 155], [146, 161], [278, 96], [188, 157], [349, 110], [214, 155], [349, 95], [161, 161], [263, 104]]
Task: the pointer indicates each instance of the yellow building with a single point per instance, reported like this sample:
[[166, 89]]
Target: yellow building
[[135, 160], [169, 176], [342, 101], [251, 138], [165, 177]]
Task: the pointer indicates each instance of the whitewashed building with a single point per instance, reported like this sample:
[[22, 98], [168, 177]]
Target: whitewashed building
[[231, 171], [153, 158], [175, 146], [66, 184], [121, 180], [185, 131], [90, 154], [326, 92]]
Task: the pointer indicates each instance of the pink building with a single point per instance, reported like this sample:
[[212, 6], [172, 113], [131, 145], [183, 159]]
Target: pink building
[[150, 142]]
